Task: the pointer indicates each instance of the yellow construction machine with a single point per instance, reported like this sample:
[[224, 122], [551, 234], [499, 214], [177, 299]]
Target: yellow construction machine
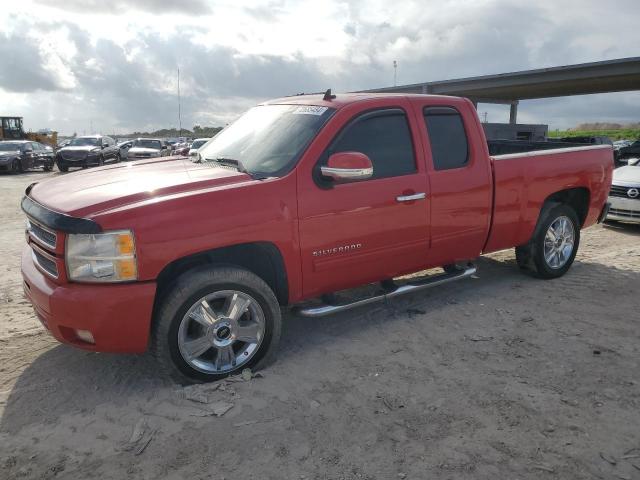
[[11, 129]]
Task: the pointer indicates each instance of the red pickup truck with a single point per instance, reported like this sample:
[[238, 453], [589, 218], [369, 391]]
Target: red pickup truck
[[300, 198]]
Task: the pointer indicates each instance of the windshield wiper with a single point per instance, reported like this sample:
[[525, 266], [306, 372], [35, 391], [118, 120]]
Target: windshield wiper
[[232, 162]]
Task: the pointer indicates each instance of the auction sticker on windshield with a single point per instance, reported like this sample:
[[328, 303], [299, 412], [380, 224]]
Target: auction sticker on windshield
[[309, 110]]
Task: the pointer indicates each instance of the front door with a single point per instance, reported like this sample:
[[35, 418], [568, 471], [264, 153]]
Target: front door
[[368, 230]]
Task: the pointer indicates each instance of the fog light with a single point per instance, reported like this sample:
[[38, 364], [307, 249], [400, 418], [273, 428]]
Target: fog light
[[85, 336]]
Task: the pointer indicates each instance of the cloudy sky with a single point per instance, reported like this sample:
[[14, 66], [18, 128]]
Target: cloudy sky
[[70, 64]]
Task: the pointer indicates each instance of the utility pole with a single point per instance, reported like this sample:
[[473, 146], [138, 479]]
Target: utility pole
[[395, 73], [484, 117], [179, 106]]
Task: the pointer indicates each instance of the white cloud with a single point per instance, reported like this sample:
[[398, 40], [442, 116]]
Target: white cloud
[[63, 64]]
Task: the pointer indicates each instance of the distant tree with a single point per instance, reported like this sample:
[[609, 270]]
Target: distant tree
[[607, 126], [198, 131]]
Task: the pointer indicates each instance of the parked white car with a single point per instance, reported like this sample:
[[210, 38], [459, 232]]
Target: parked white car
[[148, 148], [197, 143], [624, 195]]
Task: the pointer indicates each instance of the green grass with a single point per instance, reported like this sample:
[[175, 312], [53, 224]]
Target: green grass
[[622, 134]]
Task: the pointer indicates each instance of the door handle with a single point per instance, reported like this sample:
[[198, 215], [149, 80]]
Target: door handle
[[411, 198]]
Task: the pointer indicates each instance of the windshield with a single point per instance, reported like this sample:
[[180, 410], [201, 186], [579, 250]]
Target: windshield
[[148, 144], [10, 147], [269, 139], [198, 143], [84, 141]]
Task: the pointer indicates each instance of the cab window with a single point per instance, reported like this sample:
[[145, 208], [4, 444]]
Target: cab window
[[383, 136], [448, 139]]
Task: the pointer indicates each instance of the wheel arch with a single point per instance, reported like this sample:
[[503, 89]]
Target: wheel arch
[[577, 198], [261, 258]]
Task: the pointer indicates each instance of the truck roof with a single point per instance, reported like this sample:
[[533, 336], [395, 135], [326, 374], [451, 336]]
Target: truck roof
[[342, 99]]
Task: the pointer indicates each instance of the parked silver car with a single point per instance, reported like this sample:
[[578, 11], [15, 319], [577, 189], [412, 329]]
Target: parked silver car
[[148, 148], [624, 195]]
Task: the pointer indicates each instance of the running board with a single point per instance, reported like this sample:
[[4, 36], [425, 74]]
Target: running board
[[429, 282]]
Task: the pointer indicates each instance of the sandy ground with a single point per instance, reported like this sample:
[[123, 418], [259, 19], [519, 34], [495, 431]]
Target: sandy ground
[[500, 377]]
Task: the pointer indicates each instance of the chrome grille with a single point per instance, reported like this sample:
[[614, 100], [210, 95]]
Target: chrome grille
[[73, 154], [47, 237], [619, 212], [47, 264], [618, 191]]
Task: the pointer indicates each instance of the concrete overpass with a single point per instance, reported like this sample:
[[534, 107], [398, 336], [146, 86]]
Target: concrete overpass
[[509, 88]]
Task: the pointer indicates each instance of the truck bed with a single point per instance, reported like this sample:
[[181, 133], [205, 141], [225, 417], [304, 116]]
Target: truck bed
[[523, 181], [506, 147]]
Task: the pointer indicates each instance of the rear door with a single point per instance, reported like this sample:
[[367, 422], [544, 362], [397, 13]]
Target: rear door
[[460, 178], [112, 149], [40, 154], [36, 156], [364, 231]]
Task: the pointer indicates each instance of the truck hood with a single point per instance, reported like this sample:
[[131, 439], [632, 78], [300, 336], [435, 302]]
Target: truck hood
[[88, 192], [627, 175]]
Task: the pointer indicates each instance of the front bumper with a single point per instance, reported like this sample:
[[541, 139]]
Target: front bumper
[[118, 316], [77, 162], [78, 159], [624, 209]]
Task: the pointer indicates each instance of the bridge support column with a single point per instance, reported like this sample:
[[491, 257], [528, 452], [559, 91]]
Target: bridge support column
[[513, 113]]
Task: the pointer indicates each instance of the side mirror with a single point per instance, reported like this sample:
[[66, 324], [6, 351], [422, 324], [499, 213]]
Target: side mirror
[[28, 150], [347, 166]]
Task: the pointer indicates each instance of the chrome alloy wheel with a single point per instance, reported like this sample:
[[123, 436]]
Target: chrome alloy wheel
[[559, 242], [221, 331]]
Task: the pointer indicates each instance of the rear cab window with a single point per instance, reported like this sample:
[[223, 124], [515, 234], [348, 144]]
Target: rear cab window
[[447, 137]]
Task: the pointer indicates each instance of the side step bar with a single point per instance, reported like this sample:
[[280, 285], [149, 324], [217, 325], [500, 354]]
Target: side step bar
[[429, 282]]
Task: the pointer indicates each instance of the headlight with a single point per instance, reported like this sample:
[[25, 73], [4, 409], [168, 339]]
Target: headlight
[[101, 257]]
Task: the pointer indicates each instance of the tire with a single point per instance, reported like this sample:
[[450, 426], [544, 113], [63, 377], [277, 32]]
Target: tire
[[47, 167], [537, 257], [451, 268], [62, 167], [181, 319], [16, 166]]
